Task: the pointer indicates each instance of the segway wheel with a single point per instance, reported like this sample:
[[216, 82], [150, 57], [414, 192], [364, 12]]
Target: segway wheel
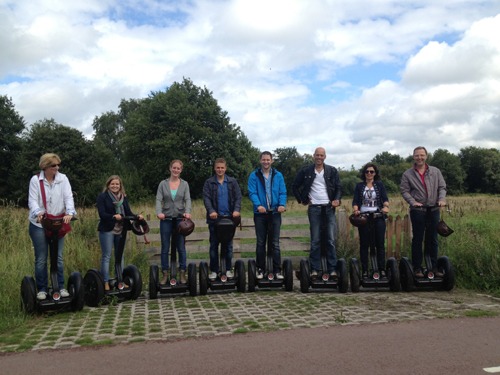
[[153, 281], [28, 295], [304, 276], [239, 268], [252, 275], [76, 290], [203, 278], [133, 278], [288, 274], [192, 279], [406, 275], [444, 265], [93, 284], [393, 275], [354, 275], [343, 276]]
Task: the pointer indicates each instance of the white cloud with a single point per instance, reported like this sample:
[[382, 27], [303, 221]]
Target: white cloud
[[289, 73]]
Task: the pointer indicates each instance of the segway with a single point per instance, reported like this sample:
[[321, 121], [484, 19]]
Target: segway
[[269, 279], [409, 282], [127, 284], [375, 278], [224, 228], [173, 285], [54, 301], [323, 280]]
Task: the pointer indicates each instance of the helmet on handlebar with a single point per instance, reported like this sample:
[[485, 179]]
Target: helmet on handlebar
[[443, 229], [358, 221], [140, 227], [185, 227]]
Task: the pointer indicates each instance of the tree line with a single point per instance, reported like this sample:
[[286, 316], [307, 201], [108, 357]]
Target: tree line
[[185, 122]]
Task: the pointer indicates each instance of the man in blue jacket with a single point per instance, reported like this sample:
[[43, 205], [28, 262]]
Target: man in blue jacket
[[267, 191], [318, 186]]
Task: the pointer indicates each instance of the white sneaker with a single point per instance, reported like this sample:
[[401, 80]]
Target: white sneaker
[[41, 296], [229, 274], [64, 293], [260, 275], [279, 276], [212, 276], [314, 273]]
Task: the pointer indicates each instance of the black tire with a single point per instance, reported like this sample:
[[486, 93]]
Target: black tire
[[93, 285], [354, 275], [393, 275], [192, 279], [288, 274], [28, 295], [153, 281], [203, 278], [406, 275], [343, 283], [444, 266], [76, 290], [239, 268], [133, 278], [304, 276], [252, 275]]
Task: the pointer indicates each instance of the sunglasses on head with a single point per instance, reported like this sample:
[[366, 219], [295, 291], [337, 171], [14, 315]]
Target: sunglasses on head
[[371, 171]]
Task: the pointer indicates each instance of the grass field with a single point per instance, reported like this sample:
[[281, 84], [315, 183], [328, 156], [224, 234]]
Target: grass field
[[473, 248]]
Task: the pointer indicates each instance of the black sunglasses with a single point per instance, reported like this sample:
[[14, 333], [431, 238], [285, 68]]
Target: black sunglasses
[[371, 171], [54, 165]]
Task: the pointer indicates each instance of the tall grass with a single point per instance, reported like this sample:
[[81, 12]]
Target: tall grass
[[473, 248]]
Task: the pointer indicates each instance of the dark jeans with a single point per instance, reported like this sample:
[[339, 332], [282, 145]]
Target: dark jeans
[[424, 223], [315, 222], [261, 222], [167, 227], [214, 250], [376, 228]]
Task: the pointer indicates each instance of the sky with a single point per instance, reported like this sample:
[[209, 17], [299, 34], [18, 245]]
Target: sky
[[357, 77]]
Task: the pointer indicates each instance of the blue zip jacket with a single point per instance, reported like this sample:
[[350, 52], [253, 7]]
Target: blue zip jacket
[[257, 189]]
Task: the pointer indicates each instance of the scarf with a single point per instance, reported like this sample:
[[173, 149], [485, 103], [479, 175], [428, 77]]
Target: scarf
[[117, 202]]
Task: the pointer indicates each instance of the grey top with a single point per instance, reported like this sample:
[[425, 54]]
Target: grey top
[[173, 207], [413, 190]]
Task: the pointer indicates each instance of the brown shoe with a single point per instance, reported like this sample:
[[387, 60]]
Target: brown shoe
[[419, 274], [164, 279], [106, 286], [182, 276], [437, 273]]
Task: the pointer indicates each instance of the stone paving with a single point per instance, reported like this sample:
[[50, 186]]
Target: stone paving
[[226, 313]]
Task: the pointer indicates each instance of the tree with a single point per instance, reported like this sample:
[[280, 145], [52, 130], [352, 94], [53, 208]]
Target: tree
[[391, 168], [452, 171], [11, 127], [386, 158], [184, 122], [288, 161], [482, 168], [78, 160]]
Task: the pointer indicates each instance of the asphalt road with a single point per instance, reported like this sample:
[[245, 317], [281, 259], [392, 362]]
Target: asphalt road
[[437, 346]]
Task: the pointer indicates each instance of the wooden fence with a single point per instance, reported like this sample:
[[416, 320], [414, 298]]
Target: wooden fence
[[291, 240]]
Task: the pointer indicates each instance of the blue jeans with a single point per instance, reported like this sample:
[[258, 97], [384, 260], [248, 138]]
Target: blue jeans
[[167, 227], [424, 223], [41, 246], [261, 222], [365, 233], [214, 250], [315, 221], [108, 240]]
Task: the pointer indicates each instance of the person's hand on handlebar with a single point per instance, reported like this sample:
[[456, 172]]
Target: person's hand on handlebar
[[187, 216], [213, 215], [281, 209], [236, 214]]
